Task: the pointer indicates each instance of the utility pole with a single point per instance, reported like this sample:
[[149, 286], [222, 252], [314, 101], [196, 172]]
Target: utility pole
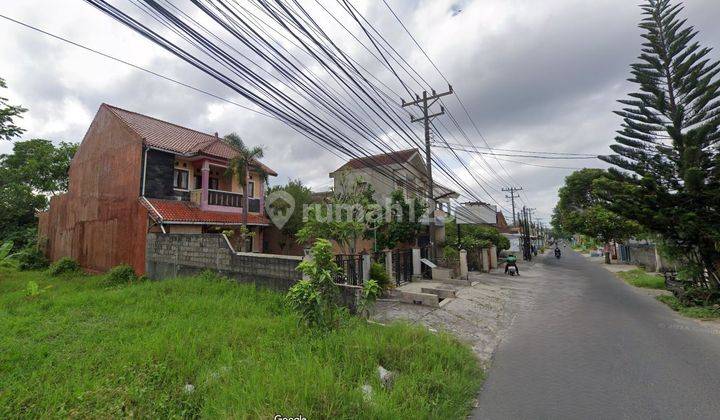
[[424, 103], [512, 197]]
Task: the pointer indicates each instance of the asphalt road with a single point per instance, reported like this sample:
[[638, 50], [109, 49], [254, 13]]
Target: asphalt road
[[591, 347]]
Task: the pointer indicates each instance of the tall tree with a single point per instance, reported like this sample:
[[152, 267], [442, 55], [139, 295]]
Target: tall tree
[[302, 196], [34, 170], [582, 209], [667, 149], [8, 113], [240, 167]]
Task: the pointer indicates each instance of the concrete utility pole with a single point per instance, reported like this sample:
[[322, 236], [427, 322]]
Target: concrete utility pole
[[424, 104], [512, 197]]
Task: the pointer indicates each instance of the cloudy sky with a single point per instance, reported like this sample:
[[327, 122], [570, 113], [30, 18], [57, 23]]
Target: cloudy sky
[[534, 75]]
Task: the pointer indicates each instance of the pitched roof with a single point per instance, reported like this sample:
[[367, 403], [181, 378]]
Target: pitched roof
[[401, 156], [179, 212], [174, 138]]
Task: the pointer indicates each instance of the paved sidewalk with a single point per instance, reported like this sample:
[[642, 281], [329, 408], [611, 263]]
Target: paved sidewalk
[[480, 313]]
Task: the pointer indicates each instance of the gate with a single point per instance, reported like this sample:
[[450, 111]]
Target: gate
[[402, 266], [350, 269]]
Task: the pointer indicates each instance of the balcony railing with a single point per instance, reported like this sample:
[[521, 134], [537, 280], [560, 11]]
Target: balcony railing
[[225, 198]]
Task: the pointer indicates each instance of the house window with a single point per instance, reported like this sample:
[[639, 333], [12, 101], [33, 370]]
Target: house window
[[180, 179], [249, 244], [198, 182], [251, 189], [214, 184]]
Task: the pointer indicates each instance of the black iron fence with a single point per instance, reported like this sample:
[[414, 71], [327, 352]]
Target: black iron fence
[[351, 267], [402, 266]]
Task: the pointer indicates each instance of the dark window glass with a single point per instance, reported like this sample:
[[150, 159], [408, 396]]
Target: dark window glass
[[214, 183], [198, 182]]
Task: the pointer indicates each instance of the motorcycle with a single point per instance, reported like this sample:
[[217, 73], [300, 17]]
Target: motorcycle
[[557, 253], [512, 270]]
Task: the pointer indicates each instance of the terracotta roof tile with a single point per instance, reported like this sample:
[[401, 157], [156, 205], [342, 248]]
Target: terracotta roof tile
[[174, 138], [177, 212]]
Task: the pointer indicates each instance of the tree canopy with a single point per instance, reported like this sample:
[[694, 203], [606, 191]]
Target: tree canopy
[[667, 176], [581, 209], [8, 114]]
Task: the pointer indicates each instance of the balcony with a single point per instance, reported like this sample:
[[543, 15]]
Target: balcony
[[224, 199]]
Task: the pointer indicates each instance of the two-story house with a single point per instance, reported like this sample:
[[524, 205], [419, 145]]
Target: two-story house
[[403, 170], [133, 174]]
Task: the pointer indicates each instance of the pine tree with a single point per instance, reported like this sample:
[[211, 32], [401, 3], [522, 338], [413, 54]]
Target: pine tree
[[668, 144]]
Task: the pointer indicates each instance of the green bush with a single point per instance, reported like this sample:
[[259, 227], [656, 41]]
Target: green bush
[[380, 275], [62, 266], [32, 259], [315, 299], [120, 275]]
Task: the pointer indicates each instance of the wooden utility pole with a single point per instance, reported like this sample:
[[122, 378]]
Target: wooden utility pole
[[424, 103], [512, 197]]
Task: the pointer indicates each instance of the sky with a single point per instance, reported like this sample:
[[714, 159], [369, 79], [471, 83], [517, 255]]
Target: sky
[[534, 75]]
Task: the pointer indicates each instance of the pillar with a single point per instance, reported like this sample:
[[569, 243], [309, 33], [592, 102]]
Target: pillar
[[389, 263], [417, 268], [493, 257], [205, 171], [366, 267], [485, 260], [463, 264]]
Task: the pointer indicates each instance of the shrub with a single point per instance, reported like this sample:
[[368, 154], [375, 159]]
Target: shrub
[[371, 292], [119, 275], [209, 275], [316, 298], [62, 266], [451, 254], [380, 275], [32, 259]]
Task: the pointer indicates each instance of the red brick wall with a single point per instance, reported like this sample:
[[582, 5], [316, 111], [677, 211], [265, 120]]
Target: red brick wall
[[99, 221]]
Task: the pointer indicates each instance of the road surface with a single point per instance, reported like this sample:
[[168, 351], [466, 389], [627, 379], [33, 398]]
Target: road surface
[[592, 347]]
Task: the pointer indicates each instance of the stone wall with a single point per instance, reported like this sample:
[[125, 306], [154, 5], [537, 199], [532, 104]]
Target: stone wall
[[177, 255], [644, 256]]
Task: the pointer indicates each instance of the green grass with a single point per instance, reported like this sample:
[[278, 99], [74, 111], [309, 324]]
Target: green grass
[[699, 312], [639, 278], [80, 349]]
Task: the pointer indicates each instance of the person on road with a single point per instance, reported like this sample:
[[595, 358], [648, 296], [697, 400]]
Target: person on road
[[557, 252], [511, 261]]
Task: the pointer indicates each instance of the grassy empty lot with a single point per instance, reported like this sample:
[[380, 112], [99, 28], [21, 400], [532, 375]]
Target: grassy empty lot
[[639, 278], [83, 350], [699, 312]]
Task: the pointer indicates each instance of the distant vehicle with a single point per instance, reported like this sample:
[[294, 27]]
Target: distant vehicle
[[557, 253]]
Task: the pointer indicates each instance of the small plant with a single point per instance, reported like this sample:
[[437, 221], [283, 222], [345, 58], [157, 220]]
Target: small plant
[[32, 259], [119, 275], [62, 266], [32, 289], [451, 254], [371, 292], [228, 233], [209, 275], [380, 275], [315, 298]]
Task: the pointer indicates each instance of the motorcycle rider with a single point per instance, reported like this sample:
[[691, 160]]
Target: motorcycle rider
[[511, 261], [557, 252]]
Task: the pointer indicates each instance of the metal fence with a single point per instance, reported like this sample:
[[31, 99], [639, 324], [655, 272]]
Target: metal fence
[[402, 266], [350, 269]]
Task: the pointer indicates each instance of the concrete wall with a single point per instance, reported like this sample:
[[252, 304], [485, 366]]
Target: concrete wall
[[173, 255], [99, 221], [644, 255]]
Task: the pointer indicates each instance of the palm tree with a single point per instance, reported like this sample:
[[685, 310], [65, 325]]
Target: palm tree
[[240, 167]]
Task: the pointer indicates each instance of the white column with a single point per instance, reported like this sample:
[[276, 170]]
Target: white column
[[493, 257], [366, 267], [417, 268], [485, 259], [463, 264], [389, 263]]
